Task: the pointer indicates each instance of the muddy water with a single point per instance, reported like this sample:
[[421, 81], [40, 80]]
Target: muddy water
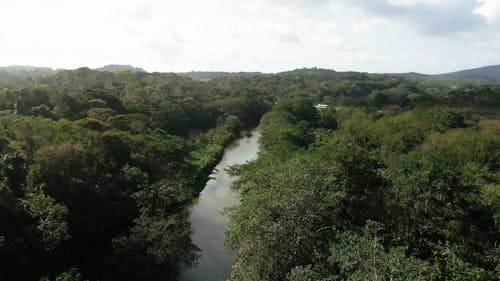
[[207, 216]]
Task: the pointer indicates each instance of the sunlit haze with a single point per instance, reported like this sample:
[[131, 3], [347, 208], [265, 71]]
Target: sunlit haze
[[430, 36]]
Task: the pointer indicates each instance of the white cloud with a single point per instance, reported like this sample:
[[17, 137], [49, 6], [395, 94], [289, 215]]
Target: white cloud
[[265, 35], [413, 3], [430, 17], [367, 24], [491, 10]]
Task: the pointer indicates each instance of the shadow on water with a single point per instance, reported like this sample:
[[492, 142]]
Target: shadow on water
[[207, 218]]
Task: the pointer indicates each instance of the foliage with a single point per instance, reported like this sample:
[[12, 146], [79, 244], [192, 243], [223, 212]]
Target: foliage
[[97, 169], [410, 196]]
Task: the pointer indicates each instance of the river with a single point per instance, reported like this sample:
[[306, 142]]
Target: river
[[207, 218]]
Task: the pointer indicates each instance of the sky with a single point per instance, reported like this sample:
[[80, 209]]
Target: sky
[[427, 36]]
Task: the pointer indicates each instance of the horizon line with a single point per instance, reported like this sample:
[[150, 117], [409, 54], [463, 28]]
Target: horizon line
[[242, 71]]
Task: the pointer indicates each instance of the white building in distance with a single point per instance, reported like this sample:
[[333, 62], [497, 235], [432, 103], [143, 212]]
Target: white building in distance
[[321, 107]]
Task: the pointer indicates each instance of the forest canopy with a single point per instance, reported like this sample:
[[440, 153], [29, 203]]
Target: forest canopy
[[397, 179], [414, 196]]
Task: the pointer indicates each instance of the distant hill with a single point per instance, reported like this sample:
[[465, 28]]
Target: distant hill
[[202, 75], [310, 71], [483, 75], [412, 75], [490, 73], [20, 73], [26, 68], [118, 67]]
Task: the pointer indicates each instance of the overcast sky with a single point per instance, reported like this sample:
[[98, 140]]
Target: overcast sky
[[430, 36]]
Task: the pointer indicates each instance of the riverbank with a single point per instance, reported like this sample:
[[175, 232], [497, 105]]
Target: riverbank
[[207, 217]]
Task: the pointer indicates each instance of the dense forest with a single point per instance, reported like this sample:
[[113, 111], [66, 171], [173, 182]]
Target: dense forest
[[97, 169], [350, 194], [398, 179]]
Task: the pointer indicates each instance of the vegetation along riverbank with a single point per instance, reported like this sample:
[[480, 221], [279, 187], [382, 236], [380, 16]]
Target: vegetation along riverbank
[[391, 178]]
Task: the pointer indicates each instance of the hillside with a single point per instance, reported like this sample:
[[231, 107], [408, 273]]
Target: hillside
[[203, 75], [22, 73], [18, 73], [118, 67], [412, 75], [490, 73], [486, 74]]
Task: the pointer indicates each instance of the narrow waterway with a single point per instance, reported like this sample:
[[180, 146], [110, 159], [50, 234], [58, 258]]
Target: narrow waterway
[[207, 216]]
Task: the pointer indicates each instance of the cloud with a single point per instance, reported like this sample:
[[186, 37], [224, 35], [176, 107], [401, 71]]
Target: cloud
[[490, 9], [431, 17], [264, 35], [302, 3], [288, 37]]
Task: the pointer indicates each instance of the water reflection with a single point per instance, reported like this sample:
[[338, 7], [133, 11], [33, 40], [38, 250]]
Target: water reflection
[[207, 216]]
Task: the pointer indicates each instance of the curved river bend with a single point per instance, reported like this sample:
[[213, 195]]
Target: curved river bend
[[207, 219]]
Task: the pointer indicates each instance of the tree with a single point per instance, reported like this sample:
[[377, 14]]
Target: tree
[[363, 257]]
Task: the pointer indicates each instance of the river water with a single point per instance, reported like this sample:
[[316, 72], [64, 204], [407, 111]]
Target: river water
[[207, 218]]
